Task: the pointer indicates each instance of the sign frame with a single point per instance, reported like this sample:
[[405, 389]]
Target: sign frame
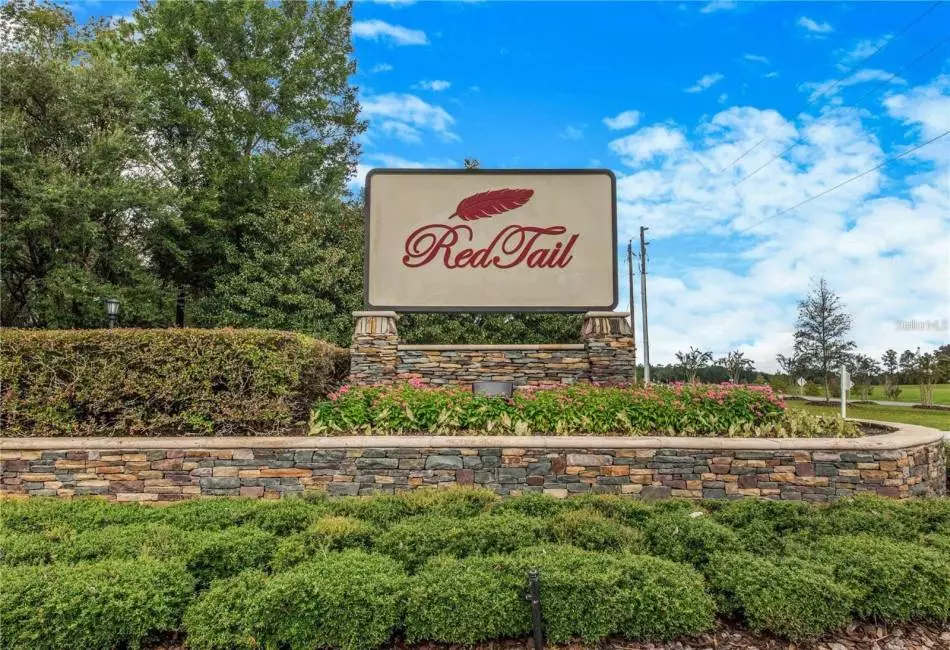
[[486, 309]]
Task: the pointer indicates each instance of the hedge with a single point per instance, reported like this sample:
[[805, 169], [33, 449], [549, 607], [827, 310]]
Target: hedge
[[584, 594], [91, 605], [450, 566], [162, 382], [348, 600]]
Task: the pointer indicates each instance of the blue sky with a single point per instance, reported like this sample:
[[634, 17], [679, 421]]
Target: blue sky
[[668, 95]]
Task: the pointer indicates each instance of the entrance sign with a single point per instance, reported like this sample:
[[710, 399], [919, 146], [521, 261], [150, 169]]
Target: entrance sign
[[491, 240]]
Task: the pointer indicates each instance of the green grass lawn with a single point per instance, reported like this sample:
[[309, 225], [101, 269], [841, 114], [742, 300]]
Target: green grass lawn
[[911, 393], [901, 414]]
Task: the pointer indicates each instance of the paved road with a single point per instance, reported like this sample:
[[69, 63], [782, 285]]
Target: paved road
[[876, 401]]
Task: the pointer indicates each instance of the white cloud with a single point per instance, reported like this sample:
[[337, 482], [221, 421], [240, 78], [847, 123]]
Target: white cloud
[[863, 49], [770, 75], [380, 30], [723, 98], [390, 161], [572, 132], [401, 131], [381, 67], [705, 82], [834, 86], [815, 27], [927, 107], [647, 143], [436, 85], [624, 120], [755, 58], [735, 277], [411, 111], [717, 5]]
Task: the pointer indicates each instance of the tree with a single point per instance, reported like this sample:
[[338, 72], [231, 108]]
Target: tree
[[692, 361], [863, 370], [821, 332], [253, 122], [73, 208], [928, 369], [907, 364], [891, 368], [736, 364]]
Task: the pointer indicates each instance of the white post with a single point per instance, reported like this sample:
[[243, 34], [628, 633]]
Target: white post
[[844, 392]]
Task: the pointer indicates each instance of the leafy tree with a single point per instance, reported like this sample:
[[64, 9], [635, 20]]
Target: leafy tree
[[891, 368], [863, 370], [253, 123], [907, 364], [736, 364], [928, 369], [692, 361], [73, 206], [821, 332]]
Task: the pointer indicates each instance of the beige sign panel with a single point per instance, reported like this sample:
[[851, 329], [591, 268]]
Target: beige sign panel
[[491, 240]]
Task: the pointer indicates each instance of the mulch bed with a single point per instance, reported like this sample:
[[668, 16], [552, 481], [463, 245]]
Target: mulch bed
[[863, 636], [931, 407]]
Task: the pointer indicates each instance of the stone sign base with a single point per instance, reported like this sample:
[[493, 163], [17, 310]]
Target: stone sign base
[[606, 356]]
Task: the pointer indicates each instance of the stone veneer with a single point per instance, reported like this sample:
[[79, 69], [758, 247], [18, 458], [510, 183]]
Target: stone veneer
[[607, 356], [907, 463]]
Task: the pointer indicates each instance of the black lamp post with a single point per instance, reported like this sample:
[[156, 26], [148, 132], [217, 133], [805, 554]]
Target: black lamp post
[[112, 311]]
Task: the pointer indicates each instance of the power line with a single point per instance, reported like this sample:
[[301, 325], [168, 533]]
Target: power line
[[842, 184], [886, 81], [834, 85]]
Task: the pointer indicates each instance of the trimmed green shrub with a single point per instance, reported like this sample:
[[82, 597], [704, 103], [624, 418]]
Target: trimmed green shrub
[[466, 601], [326, 534], [228, 615], [624, 509], [383, 510], [91, 605], [692, 539], [213, 514], [285, 516], [592, 531], [41, 514], [869, 515], [790, 598], [221, 554], [162, 381], [26, 549], [415, 540], [451, 502], [584, 594], [532, 504], [894, 581], [763, 524], [349, 600], [156, 541]]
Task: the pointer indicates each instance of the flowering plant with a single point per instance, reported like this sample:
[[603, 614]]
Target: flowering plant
[[675, 409]]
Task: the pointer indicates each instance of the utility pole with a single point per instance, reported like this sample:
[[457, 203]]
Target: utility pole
[[633, 329], [643, 296]]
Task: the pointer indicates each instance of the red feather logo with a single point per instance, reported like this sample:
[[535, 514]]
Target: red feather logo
[[492, 202]]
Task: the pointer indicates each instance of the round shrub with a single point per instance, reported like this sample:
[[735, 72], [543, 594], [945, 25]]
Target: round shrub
[[684, 538], [619, 508], [764, 524], [893, 581], [790, 598], [283, 517], [157, 541], [452, 502], [209, 514], [531, 504], [37, 515], [26, 549], [417, 539], [868, 515], [221, 554], [594, 532], [326, 534], [465, 601], [91, 605], [228, 615], [383, 511], [349, 600], [663, 599]]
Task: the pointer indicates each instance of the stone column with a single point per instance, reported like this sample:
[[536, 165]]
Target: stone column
[[611, 350], [373, 351]]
